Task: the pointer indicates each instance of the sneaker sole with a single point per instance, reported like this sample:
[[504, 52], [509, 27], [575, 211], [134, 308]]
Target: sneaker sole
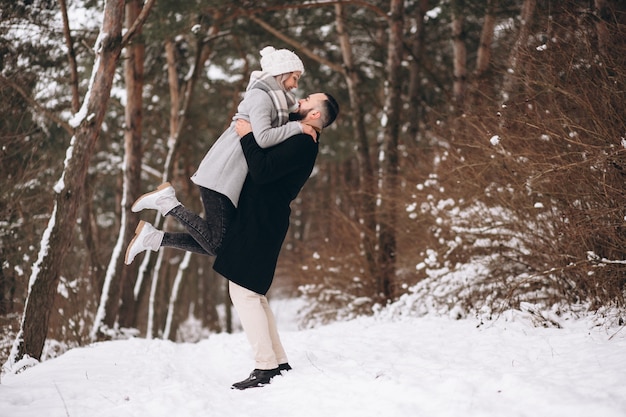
[[138, 230]]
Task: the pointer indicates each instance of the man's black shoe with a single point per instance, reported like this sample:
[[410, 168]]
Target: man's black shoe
[[257, 378]]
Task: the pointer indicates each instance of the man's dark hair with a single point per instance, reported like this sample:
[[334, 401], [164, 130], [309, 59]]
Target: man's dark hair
[[331, 110]]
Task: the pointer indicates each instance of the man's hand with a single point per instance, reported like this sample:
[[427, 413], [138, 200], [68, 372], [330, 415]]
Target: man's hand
[[243, 127], [308, 130]]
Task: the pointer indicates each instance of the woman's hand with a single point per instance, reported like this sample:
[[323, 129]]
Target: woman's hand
[[243, 127]]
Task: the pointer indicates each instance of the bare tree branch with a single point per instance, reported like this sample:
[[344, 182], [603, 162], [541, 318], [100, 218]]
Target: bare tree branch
[[297, 45], [71, 57], [314, 4], [143, 15], [38, 107]]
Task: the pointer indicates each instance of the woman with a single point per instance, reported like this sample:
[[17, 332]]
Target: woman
[[267, 102]]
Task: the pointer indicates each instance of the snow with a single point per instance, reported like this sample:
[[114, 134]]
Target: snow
[[418, 366]]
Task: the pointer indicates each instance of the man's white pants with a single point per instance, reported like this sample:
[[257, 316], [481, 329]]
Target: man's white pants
[[259, 324]]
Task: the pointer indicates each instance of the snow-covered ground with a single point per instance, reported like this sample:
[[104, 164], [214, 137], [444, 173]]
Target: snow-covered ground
[[410, 366]]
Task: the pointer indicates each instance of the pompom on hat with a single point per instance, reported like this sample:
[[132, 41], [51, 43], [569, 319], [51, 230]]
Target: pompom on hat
[[280, 61]]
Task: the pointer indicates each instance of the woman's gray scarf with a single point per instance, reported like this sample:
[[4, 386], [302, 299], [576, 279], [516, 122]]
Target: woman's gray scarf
[[284, 101]]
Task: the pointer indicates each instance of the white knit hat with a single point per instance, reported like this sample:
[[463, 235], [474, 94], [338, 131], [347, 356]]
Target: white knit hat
[[280, 61]]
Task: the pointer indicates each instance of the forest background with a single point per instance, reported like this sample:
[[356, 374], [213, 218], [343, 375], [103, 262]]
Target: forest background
[[479, 160]]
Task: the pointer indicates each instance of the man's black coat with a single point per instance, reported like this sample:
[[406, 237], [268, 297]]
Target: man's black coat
[[250, 249]]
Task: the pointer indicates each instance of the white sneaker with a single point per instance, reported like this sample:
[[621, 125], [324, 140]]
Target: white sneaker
[[146, 238], [162, 199]]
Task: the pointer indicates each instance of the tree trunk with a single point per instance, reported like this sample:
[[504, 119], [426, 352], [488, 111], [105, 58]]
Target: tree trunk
[[169, 332], [119, 280], [460, 54], [69, 190], [602, 31], [134, 77], [174, 125], [389, 181], [367, 196], [483, 57], [4, 299], [178, 112], [179, 106], [152, 298], [517, 54], [89, 230], [415, 71]]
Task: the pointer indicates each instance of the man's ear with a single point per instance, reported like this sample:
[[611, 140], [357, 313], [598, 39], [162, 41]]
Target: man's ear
[[315, 114]]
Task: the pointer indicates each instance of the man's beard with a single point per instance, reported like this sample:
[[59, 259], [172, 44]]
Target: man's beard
[[298, 115]]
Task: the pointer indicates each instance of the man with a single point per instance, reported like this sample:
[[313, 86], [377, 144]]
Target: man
[[253, 233], [249, 252]]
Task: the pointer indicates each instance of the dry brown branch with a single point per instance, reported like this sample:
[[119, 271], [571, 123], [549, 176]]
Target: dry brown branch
[[36, 106], [297, 45]]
